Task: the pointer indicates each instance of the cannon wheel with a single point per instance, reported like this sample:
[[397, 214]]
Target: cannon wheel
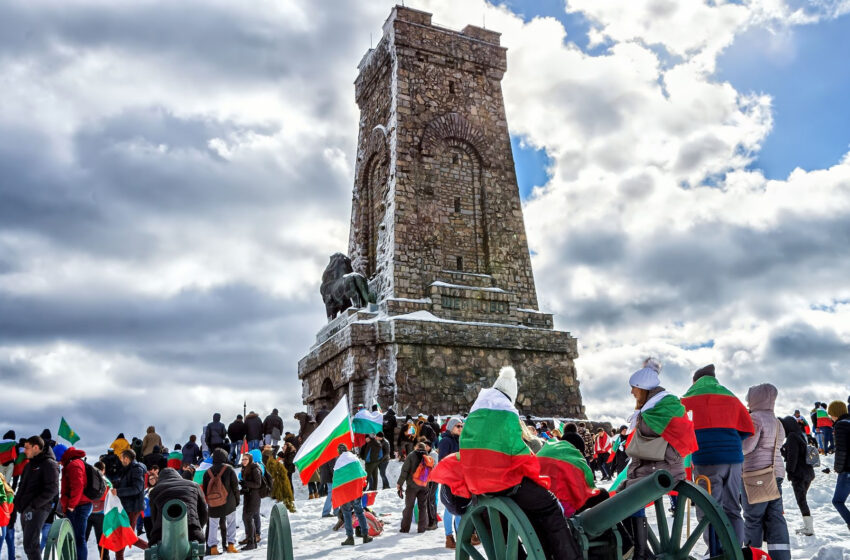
[[668, 543], [489, 518], [60, 541], [280, 535]]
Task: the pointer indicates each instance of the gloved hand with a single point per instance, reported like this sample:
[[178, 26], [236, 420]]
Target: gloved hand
[[400, 492]]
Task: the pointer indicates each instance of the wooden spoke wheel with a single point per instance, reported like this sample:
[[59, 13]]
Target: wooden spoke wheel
[[674, 542], [60, 541], [280, 535], [504, 530]]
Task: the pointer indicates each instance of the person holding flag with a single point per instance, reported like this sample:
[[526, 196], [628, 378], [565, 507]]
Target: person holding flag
[[349, 480], [721, 423], [661, 436]]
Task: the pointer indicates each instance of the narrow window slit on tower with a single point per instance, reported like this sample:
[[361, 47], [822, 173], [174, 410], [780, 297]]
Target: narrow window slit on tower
[[455, 158], [451, 87], [457, 204], [460, 263]]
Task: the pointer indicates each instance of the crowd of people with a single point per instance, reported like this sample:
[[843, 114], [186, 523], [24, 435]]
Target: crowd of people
[[741, 453]]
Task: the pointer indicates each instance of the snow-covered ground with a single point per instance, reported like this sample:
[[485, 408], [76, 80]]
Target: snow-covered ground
[[314, 538]]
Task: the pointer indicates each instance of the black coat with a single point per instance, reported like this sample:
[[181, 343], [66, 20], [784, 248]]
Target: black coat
[[326, 471], [157, 459], [236, 431], [575, 439], [372, 450], [191, 453], [131, 487], [216, 432], [390, 424], [172, 486], [271, 422], [39, 484], [794, 452], [842, 444], [253, 427], [230, 481], [252, 480]]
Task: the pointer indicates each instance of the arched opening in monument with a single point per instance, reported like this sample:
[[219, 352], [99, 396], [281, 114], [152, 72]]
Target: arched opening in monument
[[327, 395], [373, 208], [460, 198]]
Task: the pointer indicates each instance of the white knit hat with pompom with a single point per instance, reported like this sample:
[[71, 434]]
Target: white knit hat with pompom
[[506, 382]]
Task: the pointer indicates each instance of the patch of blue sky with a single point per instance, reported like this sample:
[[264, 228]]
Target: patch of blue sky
[[575, 23], [532, 166], [804, 69], [698, 345]]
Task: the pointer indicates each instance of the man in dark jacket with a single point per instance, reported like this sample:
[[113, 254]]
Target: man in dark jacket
[[385, 459], [326, 477], [172, 486], [252, 481], [38, 487], [191, 451], [226, 511], [112, 463], [372, 453], [415, 493], [236, 433], [131, 489], [272, 430], [800, 473], [390, 424], [216, 434], [253, 430]]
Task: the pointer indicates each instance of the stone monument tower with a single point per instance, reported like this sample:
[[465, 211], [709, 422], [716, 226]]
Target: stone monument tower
[[437, 230]]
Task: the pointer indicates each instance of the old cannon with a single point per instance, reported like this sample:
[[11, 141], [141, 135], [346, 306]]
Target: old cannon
[[506, 533], [175, 544], [60, 541], [280, 535]]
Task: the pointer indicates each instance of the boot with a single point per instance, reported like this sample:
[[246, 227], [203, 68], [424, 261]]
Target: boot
[[214, 551], [339, 524], [641, 536], [250, 546], [808, 528], [257, 539], [348, 542], [450, 542], [232, 549], [366, 539]]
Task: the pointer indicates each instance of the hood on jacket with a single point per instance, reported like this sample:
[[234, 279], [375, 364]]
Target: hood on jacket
[[216, 417], [762, 397], [151, 429], [10, 435], [45, 435], [791, 425], [168, 475], [219, 456], [252, 415], [70, 454]]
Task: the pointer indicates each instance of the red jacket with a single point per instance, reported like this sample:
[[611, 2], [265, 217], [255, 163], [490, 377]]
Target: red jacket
[[73, 479]]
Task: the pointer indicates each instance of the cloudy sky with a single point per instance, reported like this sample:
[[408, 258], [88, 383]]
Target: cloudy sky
[[173, 176]]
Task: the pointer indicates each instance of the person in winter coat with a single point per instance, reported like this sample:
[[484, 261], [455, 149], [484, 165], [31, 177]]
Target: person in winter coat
[[221, 488], [38, 487], [150, 441], [119, 445], [75, 504], [386, 453], [273, 429], [372, 453], [130, 488], [289, 453], [413, 493], [585, 434], [533, 442], [136, 446], [155, 459], [191, 451], [765, 521], [619, 450], [406, 438], [95, 521], [838, 412], [281, 485], [252, 481], [390, 424], [449, 444], [721, 423], [236, 432], [7, 469], [326, 478], [172, 486], [800, 473], [253, 430], [215, 434], [601, 451]]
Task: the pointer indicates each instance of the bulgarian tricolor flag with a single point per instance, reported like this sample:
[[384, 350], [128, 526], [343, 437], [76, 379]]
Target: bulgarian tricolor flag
[[571, 479], [715, 406], [202, 468], [8, 451], [175, 460], [117, 533], [366, 422], [492, 454], [322, 444], [667, 418], [349, 479], [824, 421], [20, 462]]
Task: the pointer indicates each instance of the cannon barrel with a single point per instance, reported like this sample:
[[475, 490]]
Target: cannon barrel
[[175, 532], [602, 517]]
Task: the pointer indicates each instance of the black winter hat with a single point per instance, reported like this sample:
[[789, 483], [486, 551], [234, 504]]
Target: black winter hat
[[10, 435], [120, 436], [702, 372]]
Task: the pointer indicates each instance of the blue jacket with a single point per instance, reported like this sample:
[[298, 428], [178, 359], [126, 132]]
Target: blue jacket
[[719, 446], [449, 444]]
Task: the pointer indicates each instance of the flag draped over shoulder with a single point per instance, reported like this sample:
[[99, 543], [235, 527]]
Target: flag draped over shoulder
[[202, 468], [322, 444], [824, 421], [571, 479], [66, 433], [718, 407], [668, 419], [493, 455], [117, 533], [366, 422], [175, 460], [8, 451], [349, 479]]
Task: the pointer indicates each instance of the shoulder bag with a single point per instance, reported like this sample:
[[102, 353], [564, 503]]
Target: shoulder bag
[[760, 485], [646, 448]]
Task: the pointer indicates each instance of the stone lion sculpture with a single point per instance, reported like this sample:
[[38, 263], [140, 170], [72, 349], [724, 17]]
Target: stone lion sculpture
[[342, 287]]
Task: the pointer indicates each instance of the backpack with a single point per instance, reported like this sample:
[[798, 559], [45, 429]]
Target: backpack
[[812, 456], [216, 491], [266, 487], [423, 471], [95, 486]]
